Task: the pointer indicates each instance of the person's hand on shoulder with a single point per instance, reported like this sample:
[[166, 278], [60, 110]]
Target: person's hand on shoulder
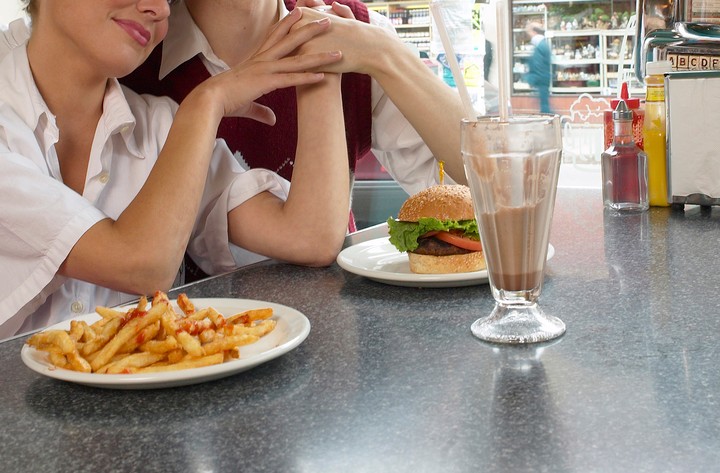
[[335, 8], [274, 66], [358, 41]]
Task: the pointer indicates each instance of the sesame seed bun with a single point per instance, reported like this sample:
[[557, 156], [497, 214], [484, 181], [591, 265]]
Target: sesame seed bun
[[440, 202]]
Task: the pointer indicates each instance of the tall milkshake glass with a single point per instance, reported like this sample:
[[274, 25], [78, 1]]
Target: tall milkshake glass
[[512, 169]]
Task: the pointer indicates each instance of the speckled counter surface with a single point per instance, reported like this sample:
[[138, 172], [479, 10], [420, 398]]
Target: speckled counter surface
[[391, 380]]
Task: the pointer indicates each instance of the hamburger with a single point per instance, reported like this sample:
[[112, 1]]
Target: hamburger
[[438, 230]]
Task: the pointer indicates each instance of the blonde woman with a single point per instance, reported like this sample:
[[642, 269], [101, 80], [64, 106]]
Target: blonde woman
[[103, 190]]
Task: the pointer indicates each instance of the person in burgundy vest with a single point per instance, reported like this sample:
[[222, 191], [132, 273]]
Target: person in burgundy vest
[[410, 115], [257, 144], [400, 110]]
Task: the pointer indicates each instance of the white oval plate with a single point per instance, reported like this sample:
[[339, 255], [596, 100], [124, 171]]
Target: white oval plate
[[291, 330], [380, 261]]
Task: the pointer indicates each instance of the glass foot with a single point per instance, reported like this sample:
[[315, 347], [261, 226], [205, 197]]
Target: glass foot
[[517, 324]]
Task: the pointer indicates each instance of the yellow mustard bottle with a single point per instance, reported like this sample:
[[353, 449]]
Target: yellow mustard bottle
[[654, 132]]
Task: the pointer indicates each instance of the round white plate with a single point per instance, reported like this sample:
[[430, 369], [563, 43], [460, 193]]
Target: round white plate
[[291, 330], [380, 261]]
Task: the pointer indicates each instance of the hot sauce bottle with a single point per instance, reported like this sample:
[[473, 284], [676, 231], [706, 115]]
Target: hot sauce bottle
[[624, 167]]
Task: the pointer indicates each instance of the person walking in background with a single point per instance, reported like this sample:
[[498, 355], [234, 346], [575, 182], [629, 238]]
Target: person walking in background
[[539, 74]]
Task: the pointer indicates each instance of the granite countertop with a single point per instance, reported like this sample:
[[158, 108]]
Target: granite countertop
[[390, 378]]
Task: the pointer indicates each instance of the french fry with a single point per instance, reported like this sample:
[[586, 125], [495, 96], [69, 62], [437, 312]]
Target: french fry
[[221, 344], [61, 339], [136, 360], [250, 316], [185, 304], [169, 324], [207, 336], [190, 344], [148, 333], [153, 337], [130, 329], [185, 364], [160, 297], [198, 315], [142, 303], [59, 360], [216, 317], [160, 346], [77, 362], [76, 330], [107, 313], [175, 356], [88, 333], [262, 328], [108, 331]]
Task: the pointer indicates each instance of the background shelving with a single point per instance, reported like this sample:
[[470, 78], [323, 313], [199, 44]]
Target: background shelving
[[411, 20], [585, 37], [576, 61], [592, 30]]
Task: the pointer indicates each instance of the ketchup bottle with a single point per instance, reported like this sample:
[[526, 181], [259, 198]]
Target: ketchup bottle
[[637, 122]]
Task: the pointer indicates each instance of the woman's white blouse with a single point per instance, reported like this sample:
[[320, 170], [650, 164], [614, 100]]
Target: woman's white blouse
[[41, 219]]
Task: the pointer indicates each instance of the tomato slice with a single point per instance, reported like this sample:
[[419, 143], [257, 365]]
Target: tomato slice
[[457, 240]]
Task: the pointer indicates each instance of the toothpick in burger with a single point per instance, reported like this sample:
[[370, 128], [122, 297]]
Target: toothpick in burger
[[438, 230]]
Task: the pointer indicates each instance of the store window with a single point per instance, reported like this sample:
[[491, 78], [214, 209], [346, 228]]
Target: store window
[[591, 46]]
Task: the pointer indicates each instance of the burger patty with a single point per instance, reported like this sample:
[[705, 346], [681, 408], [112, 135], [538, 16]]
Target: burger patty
[[434, 247]]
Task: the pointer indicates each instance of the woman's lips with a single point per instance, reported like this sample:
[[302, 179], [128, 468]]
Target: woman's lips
[[135, 30]]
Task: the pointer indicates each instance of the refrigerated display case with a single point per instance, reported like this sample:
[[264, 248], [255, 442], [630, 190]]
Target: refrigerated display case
[[584, 36]]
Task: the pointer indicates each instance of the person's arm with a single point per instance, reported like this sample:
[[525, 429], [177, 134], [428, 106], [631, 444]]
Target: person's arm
[[432, 108], [309, 228], [141, 251]]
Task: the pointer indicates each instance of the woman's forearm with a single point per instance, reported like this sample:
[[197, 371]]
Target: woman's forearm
[[433, 108], [310, 226]]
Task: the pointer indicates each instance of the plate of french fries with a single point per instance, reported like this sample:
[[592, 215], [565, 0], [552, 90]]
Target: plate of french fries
[[163, 343]]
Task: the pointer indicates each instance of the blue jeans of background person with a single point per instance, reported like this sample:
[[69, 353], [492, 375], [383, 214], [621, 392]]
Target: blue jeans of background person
[[544, 96]]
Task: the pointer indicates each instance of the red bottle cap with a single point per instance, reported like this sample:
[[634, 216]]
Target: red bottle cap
[[624, 95]]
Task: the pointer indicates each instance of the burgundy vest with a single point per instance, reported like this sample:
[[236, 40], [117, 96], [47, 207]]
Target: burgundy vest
[[260, 145]]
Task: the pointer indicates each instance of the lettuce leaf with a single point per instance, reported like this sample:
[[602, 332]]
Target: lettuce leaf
[[404, 235]]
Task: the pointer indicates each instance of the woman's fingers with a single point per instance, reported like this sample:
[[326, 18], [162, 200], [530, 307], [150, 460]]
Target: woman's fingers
[[278, 64], [343, 11], [243, 84], [257, 112], [310, 3], [286, 39], [281, 29]]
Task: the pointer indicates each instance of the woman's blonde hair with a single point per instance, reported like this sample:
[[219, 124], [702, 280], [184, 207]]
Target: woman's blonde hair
[[29, 7]]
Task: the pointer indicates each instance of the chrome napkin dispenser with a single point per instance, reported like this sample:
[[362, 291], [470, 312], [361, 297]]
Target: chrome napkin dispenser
[[685, 32], [693, 137]]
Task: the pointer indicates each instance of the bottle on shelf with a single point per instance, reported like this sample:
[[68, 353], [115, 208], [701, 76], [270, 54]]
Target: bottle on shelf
[[624, 167], [654, 131], [638, 117]]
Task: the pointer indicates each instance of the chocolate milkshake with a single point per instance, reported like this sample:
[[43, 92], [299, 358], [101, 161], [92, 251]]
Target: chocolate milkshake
[[514, 247], [512, 168]]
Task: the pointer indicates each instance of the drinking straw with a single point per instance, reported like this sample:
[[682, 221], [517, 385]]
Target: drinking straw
[[452, 61], [503, 20]]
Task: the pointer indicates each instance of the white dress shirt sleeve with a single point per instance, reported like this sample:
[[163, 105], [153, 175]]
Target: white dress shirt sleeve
[[395, 143], [228, 186]]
